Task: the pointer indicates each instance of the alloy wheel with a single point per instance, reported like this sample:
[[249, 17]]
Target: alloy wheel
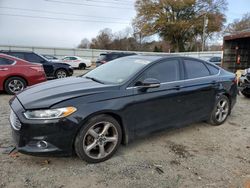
[[61, 74], [222, 110], [100, 140], [15, 86]]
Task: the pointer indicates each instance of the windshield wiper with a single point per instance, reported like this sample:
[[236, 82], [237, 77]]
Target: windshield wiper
[[94, 79]]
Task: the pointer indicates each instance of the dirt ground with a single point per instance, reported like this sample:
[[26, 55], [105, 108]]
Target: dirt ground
[[199, 155]]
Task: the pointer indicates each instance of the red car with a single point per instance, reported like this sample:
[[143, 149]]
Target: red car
[[16, 74]]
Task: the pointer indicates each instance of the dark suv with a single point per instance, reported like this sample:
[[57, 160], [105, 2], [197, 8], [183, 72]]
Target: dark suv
[[52, 70], [106, 57]]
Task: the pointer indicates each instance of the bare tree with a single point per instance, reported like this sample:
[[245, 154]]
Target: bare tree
[[85, 43], [239, 24]]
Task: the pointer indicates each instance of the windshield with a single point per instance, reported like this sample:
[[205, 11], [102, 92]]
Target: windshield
[[117, 71]]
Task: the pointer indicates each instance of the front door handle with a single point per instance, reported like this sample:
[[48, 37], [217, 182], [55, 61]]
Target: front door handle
[[4, 69]]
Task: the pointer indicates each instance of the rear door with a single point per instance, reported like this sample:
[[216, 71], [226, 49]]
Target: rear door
[[74, 62], [199, 88]]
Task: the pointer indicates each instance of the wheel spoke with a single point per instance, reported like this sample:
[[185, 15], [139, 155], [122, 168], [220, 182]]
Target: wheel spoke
[[111, 139], [217, 112], [91, 146], [11, 85], [93, 133], [101, 151], [105, 129], [223, 104], [220, 116]]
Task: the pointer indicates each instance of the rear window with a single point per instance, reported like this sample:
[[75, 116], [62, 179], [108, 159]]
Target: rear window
[[213, 70], [16, 54], [72, 58], [4, 61], [195, 69], [102, 57]]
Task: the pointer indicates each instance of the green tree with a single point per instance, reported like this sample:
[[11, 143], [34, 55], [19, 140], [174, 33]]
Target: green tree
[[179, 22]]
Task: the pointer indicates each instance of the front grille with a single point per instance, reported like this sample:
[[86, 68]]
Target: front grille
[[14, 121]]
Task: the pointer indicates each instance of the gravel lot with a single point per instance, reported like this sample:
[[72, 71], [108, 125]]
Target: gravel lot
[[199, 155]]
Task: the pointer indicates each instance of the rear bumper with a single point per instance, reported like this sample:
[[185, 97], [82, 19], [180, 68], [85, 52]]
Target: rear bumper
[[38, 80]]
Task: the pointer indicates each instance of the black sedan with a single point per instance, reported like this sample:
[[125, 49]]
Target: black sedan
[[52, 69], [129, 97]]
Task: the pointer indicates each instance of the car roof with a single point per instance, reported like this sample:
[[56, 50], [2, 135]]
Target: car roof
[[151, 58], [114, 53], [16, 51]]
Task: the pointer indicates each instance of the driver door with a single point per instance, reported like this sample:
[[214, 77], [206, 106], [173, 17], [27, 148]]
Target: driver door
[[162, 107]]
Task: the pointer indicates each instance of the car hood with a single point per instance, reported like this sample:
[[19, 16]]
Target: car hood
[[47, 94]]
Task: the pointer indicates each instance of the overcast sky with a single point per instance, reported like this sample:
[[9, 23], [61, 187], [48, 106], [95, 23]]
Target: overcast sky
[[63, 23]]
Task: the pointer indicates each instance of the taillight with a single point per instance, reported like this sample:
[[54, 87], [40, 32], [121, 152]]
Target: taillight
[[38, 69], [235, 80]]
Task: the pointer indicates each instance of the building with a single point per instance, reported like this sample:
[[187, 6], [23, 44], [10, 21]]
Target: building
[[236, 51]]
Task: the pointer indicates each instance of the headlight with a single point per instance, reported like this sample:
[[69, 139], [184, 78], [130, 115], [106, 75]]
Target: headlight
[[50, 113]]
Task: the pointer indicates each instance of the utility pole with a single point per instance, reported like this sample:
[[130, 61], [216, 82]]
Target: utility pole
[[205, 23]]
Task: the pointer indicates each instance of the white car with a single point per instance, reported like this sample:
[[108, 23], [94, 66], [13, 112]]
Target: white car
[[77, 62]]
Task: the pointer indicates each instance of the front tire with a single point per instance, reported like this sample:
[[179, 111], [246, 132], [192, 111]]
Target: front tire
[[246, 92], [220, 111], [61, 73], [14, 85], [98, 139]]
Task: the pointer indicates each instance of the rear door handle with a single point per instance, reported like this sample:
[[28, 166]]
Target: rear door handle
[[3, 69]]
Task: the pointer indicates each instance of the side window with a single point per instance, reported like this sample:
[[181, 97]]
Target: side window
[[18, 55], [195, 69], [4, 61], [165, 71], [33, 58], [213, 70], [73, 58]]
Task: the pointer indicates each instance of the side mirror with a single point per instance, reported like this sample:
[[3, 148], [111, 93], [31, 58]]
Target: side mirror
[[149, 83]]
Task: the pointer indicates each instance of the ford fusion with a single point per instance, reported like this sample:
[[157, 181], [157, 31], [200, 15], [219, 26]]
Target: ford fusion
[[91, 115]]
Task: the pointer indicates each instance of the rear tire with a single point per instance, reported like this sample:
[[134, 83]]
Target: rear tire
[[82, 66], [246, 92], [220, 112], [98, 139], [14, 85]]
